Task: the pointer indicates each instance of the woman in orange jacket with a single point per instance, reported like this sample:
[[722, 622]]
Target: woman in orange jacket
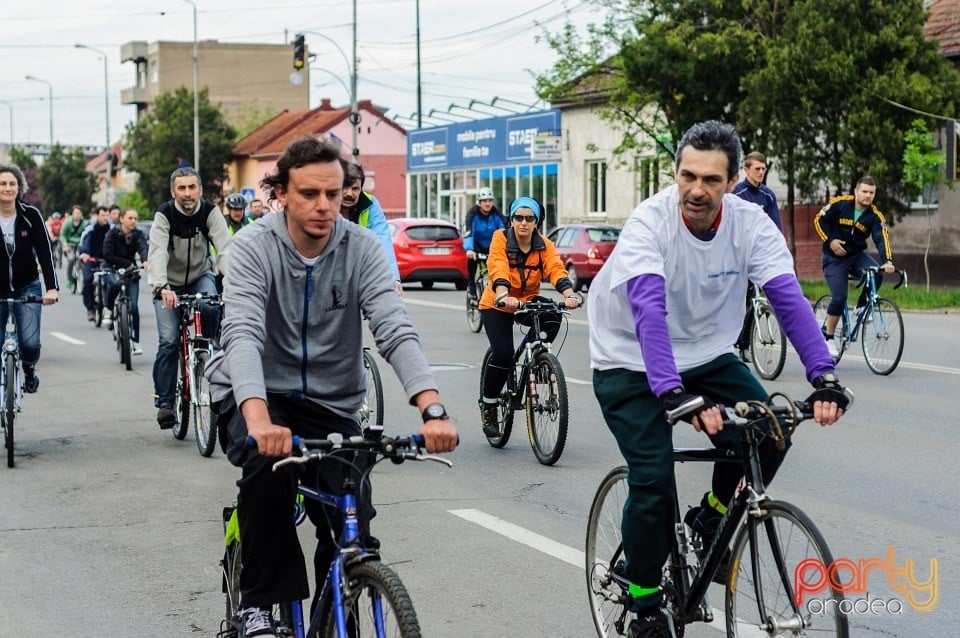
[[519, 259]]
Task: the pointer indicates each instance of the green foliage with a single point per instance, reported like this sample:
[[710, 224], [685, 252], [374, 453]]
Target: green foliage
[[921, 163], [164, 135], [251, 116], [910, 298], [136, 201], [63, 180], [29, 167]]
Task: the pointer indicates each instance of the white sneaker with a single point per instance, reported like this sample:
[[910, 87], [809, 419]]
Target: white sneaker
[[832, 349], [135, 348], [107, 318]]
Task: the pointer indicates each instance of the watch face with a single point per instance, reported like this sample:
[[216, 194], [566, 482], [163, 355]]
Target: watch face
[[435, 411]]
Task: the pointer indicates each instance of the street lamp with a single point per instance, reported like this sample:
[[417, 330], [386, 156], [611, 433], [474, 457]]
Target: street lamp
[[196, 95], [50, 87], [106, 89], [9, 106]]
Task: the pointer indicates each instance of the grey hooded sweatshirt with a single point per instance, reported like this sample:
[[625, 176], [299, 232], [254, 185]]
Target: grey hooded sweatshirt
[[298, 330]]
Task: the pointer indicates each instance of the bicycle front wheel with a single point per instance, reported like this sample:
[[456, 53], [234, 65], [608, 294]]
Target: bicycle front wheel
[[182, 400], [820, 311], [204, 418], [504, 408], [230, 566], [771, 551], [9, 404], [768, 343], [547, 409], [373, 400], [474, 318], [882, 336], [376, 604], [607, 593], [122, 322]]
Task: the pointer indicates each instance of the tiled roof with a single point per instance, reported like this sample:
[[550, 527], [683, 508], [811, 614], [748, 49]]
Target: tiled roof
[[943, 25]]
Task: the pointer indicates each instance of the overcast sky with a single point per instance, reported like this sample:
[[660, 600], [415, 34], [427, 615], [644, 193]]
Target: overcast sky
[[469, 50]]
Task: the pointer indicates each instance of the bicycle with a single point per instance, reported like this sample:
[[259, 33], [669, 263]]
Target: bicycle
[[99, 292], [537, 385], [881, 321], [11, 376], [769, 542], [359, 593], [123, 315], [56, 249], [372, 411], [193, 389], [768, 343], [74, 267], [474, 318]]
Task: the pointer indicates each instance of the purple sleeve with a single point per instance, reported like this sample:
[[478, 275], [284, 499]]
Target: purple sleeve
[[796, 317], [648, 301]]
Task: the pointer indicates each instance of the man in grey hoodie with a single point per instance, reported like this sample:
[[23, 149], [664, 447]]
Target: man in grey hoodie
[[296, 289]]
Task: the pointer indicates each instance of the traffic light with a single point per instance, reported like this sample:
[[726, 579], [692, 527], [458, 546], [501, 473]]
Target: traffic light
[[299, 52]]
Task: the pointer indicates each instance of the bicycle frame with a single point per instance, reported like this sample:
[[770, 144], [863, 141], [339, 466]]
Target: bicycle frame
[[524, 356], [192, 344], [868, 278]]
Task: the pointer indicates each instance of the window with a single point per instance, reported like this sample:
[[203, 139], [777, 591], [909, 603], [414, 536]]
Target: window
[[649, 177], [154, 71], [567, 239], [596, 188], [432, 233]]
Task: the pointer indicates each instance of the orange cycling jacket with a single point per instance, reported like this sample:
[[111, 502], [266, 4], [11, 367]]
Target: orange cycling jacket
[[523, 273]]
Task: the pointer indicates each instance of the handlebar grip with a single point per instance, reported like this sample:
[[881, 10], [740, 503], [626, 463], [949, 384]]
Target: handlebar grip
[[419, 440], [683, 410], [252, 443]]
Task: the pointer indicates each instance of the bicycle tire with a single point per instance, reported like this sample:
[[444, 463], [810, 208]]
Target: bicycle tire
[[474, 318], [798, 539], [373, 400], [204, 418], [122, 322], [548, 412], [97, 302], [608, 597], [365, 584], [181, 401], [230, 570], [504, 408], [820, 311], [768, 343], [882, 337], [9, 404]]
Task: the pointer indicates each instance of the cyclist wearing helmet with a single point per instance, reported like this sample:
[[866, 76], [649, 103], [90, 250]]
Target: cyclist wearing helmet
[[236, 217], [483, 219]]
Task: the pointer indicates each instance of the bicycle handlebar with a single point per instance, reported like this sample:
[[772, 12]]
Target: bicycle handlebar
[[900, 272], [27, 299], [396, 449], [189, 300], [539, 305]]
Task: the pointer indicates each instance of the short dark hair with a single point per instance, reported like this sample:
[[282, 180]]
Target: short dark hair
[[866, 179], [713, 136], [299, 153], [351, 173], [755, 156], [185, 171]]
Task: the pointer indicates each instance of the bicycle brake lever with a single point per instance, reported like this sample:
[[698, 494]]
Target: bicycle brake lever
[[432, 457], [299, 460]]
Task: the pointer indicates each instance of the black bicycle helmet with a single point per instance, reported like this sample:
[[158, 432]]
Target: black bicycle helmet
[[236, 200]]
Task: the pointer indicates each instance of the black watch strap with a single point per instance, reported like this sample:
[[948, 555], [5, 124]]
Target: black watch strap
[[434, 411]]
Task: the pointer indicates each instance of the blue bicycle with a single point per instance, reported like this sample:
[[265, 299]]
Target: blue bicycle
[[361, 597]]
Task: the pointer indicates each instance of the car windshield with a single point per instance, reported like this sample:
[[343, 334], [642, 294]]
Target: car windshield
[[603, 234], [432, 233]]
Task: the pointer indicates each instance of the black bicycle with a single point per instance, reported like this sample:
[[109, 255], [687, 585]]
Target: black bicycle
[[11, 376], [474, 318], [99, 291], [770, 544], [536, 385], [123, 314]]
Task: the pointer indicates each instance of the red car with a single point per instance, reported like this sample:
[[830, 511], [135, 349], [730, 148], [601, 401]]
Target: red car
[[429, 250], [584, 248]]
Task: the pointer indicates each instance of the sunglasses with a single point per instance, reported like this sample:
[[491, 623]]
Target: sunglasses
[[530, 219]]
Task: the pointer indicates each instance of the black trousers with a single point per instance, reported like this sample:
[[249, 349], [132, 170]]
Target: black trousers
[[273, 561]]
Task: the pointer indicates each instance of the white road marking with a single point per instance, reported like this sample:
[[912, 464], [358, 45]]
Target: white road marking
[[578, 381], [68, 339]]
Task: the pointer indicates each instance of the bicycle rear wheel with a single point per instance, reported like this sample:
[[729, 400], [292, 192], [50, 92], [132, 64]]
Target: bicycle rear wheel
[[882, 336], [182, 400], [504, 409], [373, 400], [474, 318], [767, 553], [820, 311], [548, 409], [9, 404], [606, 592], [204, 418], [122, 324], [97, 302], [374, 597], [768, 344]]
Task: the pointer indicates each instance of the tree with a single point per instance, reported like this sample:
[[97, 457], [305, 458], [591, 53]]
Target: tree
[[63, 180], [922, 176], [29, 167], [136, 201], [164, 135]]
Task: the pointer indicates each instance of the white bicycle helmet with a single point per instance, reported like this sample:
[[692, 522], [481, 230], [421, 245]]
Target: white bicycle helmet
[[484, 193]]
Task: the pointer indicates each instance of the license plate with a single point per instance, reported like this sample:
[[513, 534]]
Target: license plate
[[436, 250]]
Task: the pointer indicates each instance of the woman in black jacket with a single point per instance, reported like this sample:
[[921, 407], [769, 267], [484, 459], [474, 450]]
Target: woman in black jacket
[[120, 249], [25, 244]]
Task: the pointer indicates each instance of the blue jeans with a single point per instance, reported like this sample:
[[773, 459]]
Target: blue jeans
[[26, 316], [133, 292], [836, 271], [168, 329]]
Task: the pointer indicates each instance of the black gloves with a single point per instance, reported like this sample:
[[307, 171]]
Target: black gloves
[[828, 389], [678, 396]]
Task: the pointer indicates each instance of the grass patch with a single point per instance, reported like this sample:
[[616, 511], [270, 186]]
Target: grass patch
[[909, 298]]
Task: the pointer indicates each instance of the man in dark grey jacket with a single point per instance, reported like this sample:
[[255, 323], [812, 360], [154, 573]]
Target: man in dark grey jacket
[[296, 289]]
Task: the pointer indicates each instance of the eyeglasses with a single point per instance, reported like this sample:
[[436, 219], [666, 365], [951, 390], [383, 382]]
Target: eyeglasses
[[530, 219], [758, 168]]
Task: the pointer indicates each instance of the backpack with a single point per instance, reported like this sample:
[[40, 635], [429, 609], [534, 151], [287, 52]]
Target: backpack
[[187, 226]]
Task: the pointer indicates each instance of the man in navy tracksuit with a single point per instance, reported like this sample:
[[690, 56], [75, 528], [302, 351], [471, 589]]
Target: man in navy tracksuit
[[844, 225]]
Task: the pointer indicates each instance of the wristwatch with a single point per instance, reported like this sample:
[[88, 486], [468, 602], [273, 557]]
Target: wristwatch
[[828, 380], [434, 411]]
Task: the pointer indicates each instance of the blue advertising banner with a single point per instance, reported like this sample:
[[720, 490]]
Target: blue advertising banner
[[498, 140]]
